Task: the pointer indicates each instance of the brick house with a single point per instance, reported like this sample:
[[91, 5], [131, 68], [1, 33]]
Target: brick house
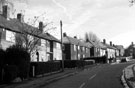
[[110, 51], [75, 49], [95, 49], [48, 48], [130, 50], [120, 50]]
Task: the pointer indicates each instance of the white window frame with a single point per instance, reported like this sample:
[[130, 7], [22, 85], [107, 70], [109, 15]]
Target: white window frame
[[10, 36], [74, 47]]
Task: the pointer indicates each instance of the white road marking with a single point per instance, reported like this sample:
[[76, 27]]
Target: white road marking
[[82, 85], [92, 77]]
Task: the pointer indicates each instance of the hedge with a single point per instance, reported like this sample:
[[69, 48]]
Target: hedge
[[76, 63], [18, 56], [102, 59], [44, 67], [11, 72], [2, 63]]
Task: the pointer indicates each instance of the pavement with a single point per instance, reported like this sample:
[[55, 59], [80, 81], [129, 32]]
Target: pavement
[[46, 79], [128, 76]]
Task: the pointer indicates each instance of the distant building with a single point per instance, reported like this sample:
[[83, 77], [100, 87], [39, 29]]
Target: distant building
[[75, 49], [130, 50], [121, 49]]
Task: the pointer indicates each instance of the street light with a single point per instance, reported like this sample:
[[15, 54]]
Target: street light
[[62, 46]]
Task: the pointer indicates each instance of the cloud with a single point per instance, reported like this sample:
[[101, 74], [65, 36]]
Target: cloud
[[124, 38], [64, 8]]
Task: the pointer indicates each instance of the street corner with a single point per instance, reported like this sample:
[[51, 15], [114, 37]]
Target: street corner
[[127, 77]]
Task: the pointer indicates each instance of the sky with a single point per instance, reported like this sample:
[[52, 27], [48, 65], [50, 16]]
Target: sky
[[113, 20]]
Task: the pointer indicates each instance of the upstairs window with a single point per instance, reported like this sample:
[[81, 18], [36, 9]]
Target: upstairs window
[[78, 47], [0, 36], [10, 36], [74, 47], [43, 42]]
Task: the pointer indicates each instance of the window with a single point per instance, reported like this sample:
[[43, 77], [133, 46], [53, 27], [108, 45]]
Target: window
[[0, 36], [43, 42], [86, 50], [78, 47], [74, 47], [79, 56], [58, 45], [10, 36], [83, 48], [30, 38], [48, 46], [83, 56]]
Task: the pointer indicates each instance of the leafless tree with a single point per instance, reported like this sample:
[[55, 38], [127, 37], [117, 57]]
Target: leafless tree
[[29, 36], [132, 2], [91, 37]]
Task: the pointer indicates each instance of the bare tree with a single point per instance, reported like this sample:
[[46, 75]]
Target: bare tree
[[132, 2], [29, 36], [91, 37]]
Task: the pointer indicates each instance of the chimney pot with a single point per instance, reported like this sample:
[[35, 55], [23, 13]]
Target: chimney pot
[[19, 17], [64, 34], [132, 43], [75, 37], [41, 26], [5, 11], [104, 41], [110, 43]]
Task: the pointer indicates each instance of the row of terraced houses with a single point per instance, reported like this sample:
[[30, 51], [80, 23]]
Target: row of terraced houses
[[50, 47]]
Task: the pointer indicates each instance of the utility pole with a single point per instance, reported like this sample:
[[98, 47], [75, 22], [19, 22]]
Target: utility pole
[[62, 46]]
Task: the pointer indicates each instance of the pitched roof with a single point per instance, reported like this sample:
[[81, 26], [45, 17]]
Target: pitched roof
[[83, 43], [102, 46], [119, 46], [95, 44], [110, 47], [16, 26], [75, 41], [70, 40], [4, 23]]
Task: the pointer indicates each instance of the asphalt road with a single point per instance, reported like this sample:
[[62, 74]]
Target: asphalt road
[[101, 76]]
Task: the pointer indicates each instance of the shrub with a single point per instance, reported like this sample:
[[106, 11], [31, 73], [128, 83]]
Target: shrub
[[11, 72], [2, 62], [73, 63], [97, 59], [18, 56], [2, 57], [45, 67]]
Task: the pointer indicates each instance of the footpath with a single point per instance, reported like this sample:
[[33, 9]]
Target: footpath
[[46, 79], [128, 76]]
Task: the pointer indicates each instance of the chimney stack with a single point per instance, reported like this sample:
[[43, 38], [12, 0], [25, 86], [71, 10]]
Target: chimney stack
[[104, 41], [19, 17], [41, 26], [75, 37], [110, 43], [64, 34], [5, 11], [132, 43]]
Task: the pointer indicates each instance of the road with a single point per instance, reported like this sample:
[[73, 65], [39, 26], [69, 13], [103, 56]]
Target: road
[[101, 76]]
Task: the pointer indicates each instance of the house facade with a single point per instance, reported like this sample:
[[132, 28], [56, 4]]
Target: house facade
[[46, 50], [111, 52], [75, 49], [130, 50]]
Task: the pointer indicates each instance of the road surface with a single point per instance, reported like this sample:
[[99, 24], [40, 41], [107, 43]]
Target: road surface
[[101, 76]]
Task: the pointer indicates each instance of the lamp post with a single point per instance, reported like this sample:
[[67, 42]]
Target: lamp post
[[62, 46]]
